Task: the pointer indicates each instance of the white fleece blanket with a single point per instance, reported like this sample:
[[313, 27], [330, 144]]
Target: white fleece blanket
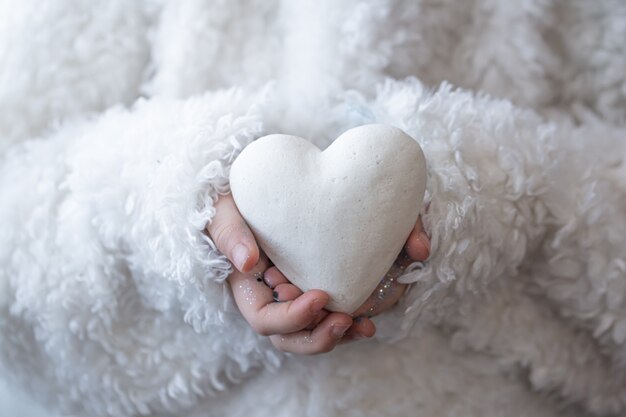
[[118, 124]]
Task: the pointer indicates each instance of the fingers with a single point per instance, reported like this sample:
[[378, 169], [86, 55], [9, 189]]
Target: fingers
[[386, 294], [285, 291], [290, 316], [257, 303], [296, 322], [322, 339], [274, 277], [362, 327], [389, 291], [232, 236], [418, 244]]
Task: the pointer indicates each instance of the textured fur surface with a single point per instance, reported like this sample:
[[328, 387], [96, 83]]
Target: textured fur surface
[[118, 125]]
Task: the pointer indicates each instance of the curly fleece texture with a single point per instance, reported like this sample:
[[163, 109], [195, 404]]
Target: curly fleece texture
[[118, 125]]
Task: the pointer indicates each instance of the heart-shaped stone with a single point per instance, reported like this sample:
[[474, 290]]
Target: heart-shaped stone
[[332, 220]]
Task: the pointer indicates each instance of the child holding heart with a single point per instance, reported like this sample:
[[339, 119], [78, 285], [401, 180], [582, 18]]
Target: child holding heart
[[294, 321], [120, 123]]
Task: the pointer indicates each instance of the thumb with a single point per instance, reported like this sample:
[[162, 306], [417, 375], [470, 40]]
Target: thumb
[[232, 236]]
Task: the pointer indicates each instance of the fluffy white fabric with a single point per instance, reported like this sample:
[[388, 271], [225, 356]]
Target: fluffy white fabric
[[113, 300]]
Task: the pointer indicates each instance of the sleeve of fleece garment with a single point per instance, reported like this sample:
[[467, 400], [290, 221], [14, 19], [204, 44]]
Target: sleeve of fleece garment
[[526, 219], [487, 160], [112, 299], [509, 193]]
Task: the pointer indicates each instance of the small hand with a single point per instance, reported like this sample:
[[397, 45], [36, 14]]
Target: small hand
[[386, 294], [389, 290], [295, 321]]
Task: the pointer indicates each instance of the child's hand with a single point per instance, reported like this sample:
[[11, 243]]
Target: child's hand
[[295, 322], [385, 296], [389, 291]]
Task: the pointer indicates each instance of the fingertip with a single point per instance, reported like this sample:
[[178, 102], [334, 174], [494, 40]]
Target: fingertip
[[418, 246], [253, 257], [246, 255], [273, 277], [286, 292], [361, 329], [367, 328], [340, 324]]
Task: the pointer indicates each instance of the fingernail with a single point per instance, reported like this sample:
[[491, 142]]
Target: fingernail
[[240, 255], [317, 305], [338, 330], [265, 280]]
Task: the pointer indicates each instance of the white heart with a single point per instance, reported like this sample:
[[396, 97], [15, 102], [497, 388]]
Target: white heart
[[332, 220]]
